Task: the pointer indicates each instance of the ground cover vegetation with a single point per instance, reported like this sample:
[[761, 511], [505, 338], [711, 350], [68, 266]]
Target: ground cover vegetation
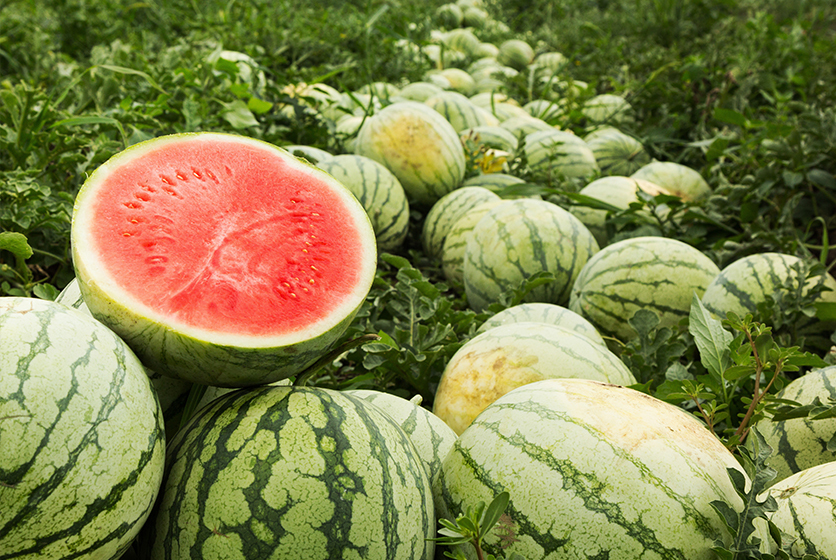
[[740, 91]]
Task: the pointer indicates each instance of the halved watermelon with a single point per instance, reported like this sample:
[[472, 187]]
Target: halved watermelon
[[221, 259]]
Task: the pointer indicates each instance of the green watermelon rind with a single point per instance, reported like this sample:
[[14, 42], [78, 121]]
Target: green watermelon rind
[[418, 145], [380, 193], [290, 472], [518, 239], [655, 273], [82, 431], [593, 471], [800, 443], [446, 211]]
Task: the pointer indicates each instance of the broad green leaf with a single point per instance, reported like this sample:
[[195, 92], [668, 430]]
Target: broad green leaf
[[259, 106], [730, 117], [711, 338], [17, 244], [238, 115]]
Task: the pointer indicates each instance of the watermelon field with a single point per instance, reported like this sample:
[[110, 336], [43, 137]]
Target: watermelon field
[[477, 279]]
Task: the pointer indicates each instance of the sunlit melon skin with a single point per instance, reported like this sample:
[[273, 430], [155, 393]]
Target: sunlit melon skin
[[241, 264]]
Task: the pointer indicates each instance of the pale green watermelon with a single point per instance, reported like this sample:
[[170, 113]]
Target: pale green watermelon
[[446, 212], [491, 136], [462, 40], [654, 273], [449, 15], [593, 470], [419, 91], [745, 283], [544, 313], [497, 183], [552, 61], [615, 190], [807, 510], [508, 356], [460, 81], [310, 153], [617, 153], [552, 154], [455, 243], [418, 145], [220, 259], [608, 108], [518, 239], [380, 193], [801, 443], [524, 124], [290, 473], [679, 180], [544, 109], [515, 53], [81, 432]]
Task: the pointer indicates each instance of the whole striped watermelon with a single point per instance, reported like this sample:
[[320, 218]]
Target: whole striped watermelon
[[593, 471], [290, 473], [446, 212], [516, 53], [801, 443], [679, 180], [544, 313], [82, 443], [220, 259], [608, 108], [617, 191], [518, 239], [655, 273], [617, 153], [380, 193], [552, 154], [418, 145], [509, 356], [432, 438], [745, 283], [807, 510]]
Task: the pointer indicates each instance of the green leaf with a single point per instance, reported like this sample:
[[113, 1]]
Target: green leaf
[[734, 373], [259, 106], [730, 117], [711, 338], [493, 512], [237, 114], [17, 244]]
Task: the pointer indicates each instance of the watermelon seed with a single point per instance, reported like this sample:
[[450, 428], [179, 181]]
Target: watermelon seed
[[228, 170], [142, 197], [197, 174], [131, 205], [156, 259], [211, 175], [148, 188], [180, 176], [169, 190], [166, 180]]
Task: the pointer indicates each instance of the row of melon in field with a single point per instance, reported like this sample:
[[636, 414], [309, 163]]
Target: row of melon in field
[[268, 469]]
